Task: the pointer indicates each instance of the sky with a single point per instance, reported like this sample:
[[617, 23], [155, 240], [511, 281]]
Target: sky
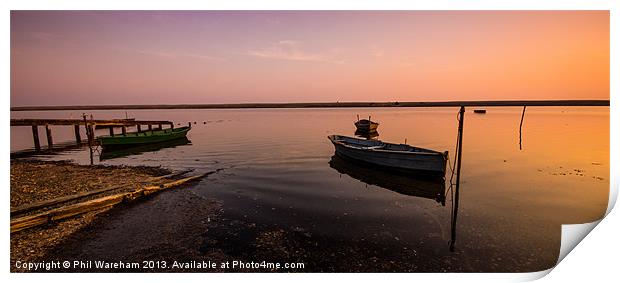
[[165, 57]]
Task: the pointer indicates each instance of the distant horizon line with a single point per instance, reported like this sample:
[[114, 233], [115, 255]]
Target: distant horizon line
[[471, 103]]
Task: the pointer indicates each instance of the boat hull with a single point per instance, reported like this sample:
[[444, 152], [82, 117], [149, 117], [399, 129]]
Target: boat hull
[[366, 125], [142, 138], [117, 152], [423, 163]]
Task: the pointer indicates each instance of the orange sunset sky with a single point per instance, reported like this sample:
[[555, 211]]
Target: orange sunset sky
[[145, 57]]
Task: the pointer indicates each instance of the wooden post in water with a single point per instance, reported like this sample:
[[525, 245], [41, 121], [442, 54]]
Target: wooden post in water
[[459, 152], [150, 127], [124, 129], [91, 129], [111, 131], [159, 127], [520, 129], [35, 136], [91, 142], [90, 135], [76, 130], [189, 124], [139, 128], [48, 132]]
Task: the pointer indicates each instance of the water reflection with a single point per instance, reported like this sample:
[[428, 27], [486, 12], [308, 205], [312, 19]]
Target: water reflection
[[370, 135], [60, 147], [281, 161], [107, 153], [430, 188]]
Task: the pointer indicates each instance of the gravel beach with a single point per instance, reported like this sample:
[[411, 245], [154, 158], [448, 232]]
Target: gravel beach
[[34, 181]]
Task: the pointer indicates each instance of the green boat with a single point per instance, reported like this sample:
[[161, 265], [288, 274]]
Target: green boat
[[142, 138], [117, 152]]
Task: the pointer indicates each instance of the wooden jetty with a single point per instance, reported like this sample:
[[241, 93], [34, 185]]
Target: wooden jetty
[[88, 124]]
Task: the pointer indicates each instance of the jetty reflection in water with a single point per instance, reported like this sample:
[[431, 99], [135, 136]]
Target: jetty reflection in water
[[417, 186], [110, 153]]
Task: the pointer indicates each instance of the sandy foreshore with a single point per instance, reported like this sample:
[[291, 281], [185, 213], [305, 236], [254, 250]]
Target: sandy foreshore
[[35, 181]]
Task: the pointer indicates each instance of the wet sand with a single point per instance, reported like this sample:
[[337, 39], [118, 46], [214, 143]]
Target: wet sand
[[182, 226], [179, 225]]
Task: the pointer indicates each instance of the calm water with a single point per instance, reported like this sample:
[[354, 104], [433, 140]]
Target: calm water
[[279, 172]]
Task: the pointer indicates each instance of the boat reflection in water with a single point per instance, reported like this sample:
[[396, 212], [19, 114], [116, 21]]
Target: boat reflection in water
[[108, 153], [369, 135], [418, 186], [430, 188]]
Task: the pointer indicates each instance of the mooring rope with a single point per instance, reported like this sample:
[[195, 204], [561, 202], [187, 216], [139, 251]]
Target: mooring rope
[[453, 165]]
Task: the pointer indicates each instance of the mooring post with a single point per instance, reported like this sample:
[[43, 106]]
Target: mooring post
[[189, 124], [76, 130], [35, 136], [91, 129], [521, 128], [90, 135], [48, 132], [459, 152], [91, 142]]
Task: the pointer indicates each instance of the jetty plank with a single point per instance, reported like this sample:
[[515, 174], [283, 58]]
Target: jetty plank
[[69, 122]]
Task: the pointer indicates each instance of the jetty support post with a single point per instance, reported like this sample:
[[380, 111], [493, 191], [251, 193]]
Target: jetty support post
[[76, 130], [48, 132], [111, 129], [35, 136], [150, 127], [139, 128], [124, 129], [459, 154], [159, 127], [91, 129]]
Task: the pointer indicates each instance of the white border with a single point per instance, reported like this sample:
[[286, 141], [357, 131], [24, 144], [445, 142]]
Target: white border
[[596, 256]]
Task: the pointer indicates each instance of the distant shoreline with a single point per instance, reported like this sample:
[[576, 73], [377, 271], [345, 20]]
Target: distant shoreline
[[485, 103]]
